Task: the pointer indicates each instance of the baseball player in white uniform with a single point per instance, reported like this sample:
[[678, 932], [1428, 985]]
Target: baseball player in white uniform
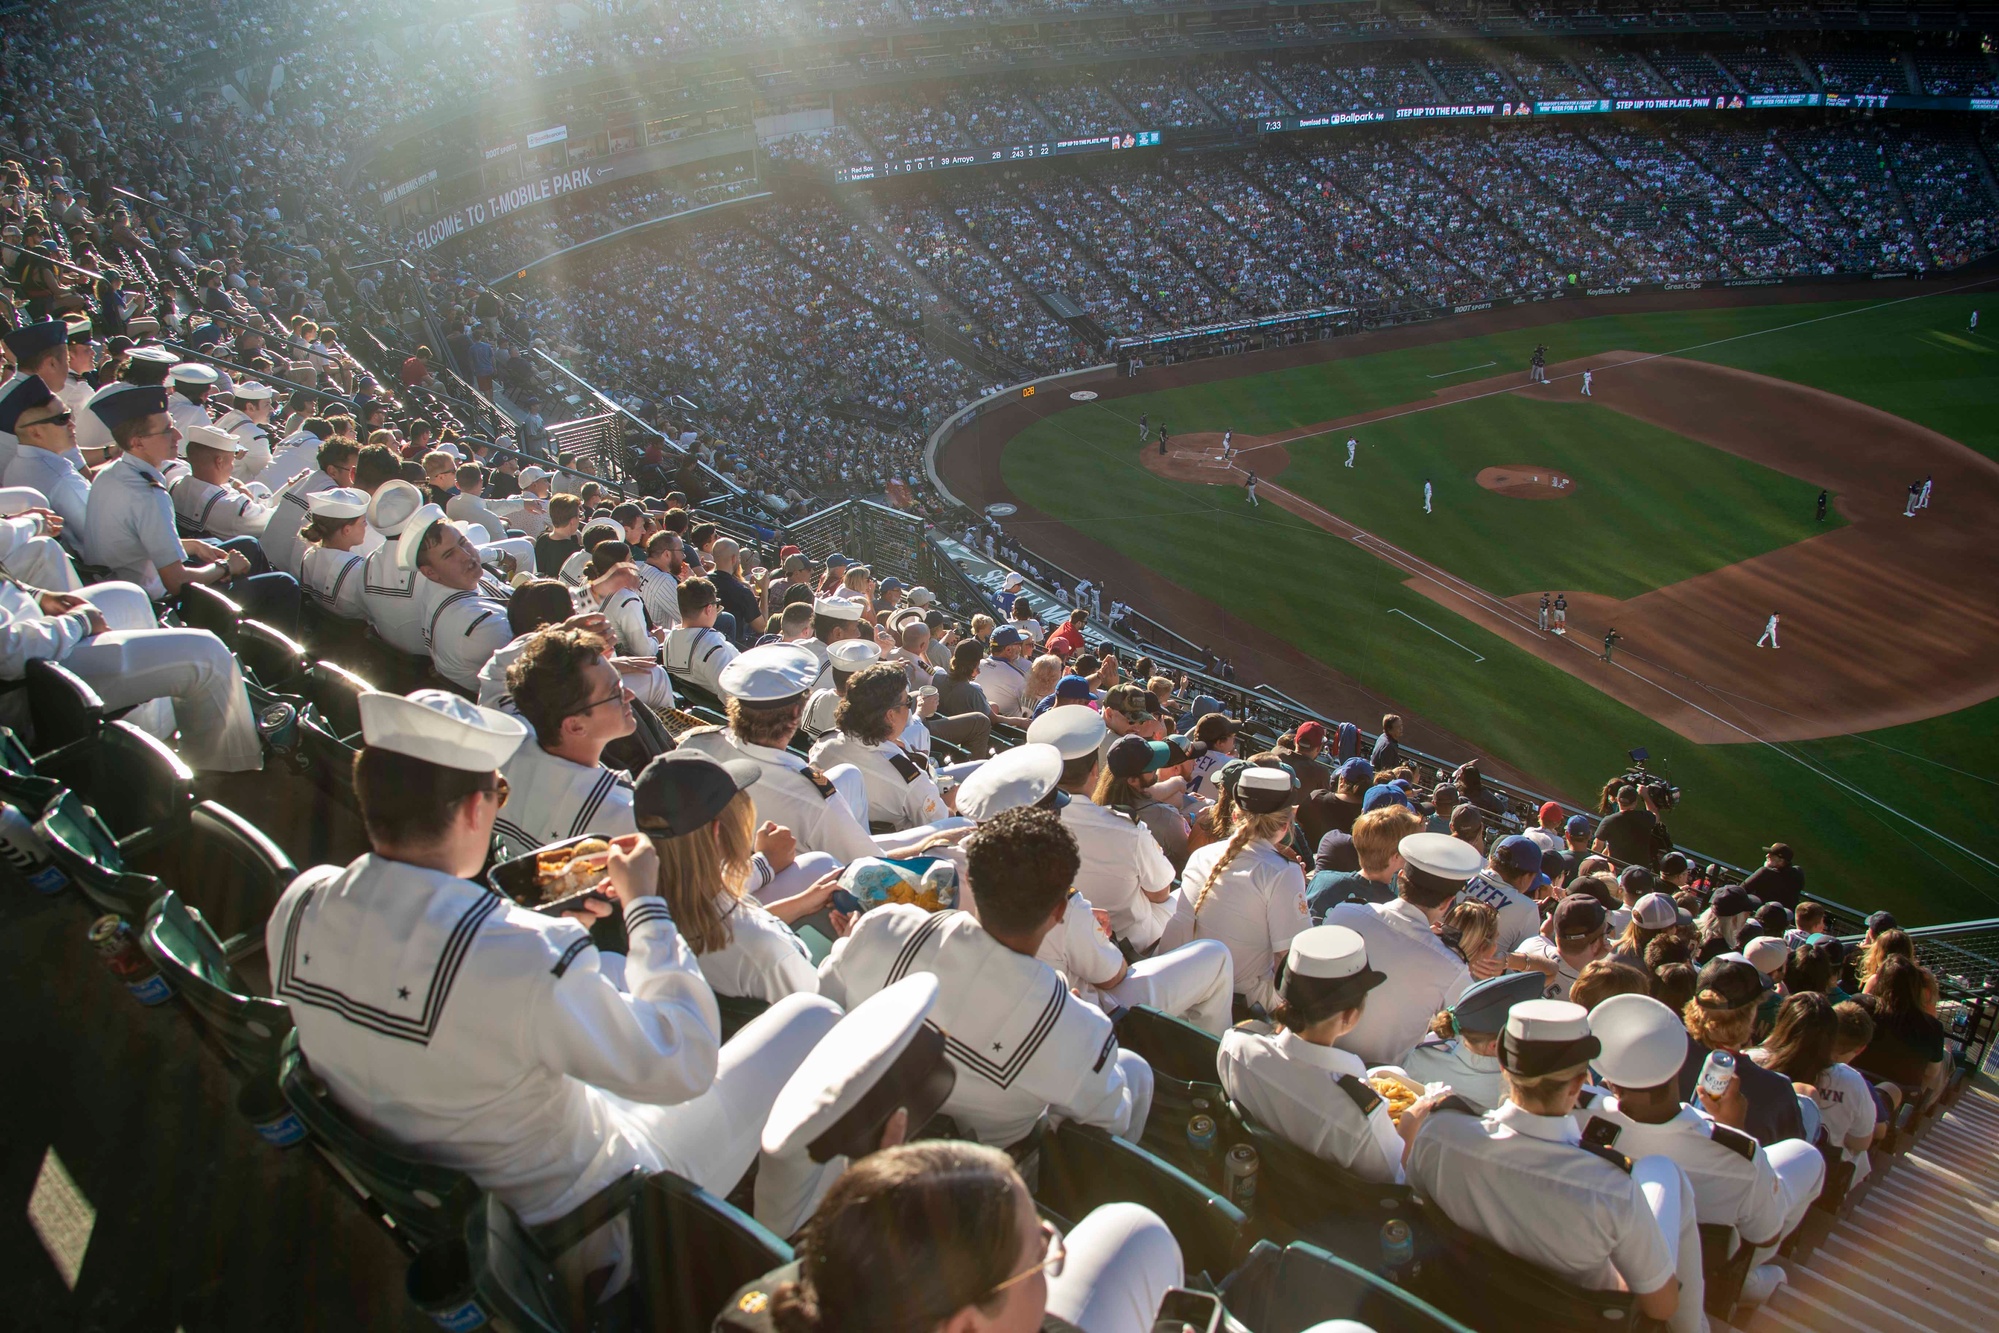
[[1769, 632], [1228, 444], [1586, 380], [1427, 493], [1923, 497], [1351, 446], [1249, 488]]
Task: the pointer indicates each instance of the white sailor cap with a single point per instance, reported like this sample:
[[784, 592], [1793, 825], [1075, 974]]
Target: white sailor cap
[[193, 372], [1264, 789], [394, 504], [249, 391], [440, 728], [836, 608], [882, 1057], [1074, 729], [921, 596], [851, 655], [341, 502], [1440, 855], [1644, 1042], [772, 674], [1022, 776], [411, 539], [158, 356], [1766, 954], [533, 476], [208, 437], [1543, 1036]]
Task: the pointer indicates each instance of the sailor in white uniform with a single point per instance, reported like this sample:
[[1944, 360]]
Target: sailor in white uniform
[[834, 620], [29, 549], [575, 703], [249, 420], [615, 593], [826, 812], [297, 451], [207, 498], [188, 405], [845, 660], [1526, 1179], [901, 793], [333, 466], [1021, 1043], [1467, 1058], [535, 484], [1762, 1192], [44, 428], [1424, 974], [388, 588], [333, 569], [1294, 1082], [1125, 873], [463, 622], [484, 1036], [1194, 982], [695, 650], [143, 366]]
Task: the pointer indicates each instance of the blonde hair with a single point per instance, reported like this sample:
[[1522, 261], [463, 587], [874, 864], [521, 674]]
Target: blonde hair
[[1248, 828], [1538, 1093], [701, 874], [1477, 925], [982, 626], [1727, 1029], [1042, 677]]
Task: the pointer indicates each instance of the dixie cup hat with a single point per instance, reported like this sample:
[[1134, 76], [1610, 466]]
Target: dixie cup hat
[[771, 675], [1075, 732], [440, 728]]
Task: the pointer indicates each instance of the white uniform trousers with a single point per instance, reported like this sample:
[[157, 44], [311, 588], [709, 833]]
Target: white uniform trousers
[[1670, 1196], [136, 661], [1122, 1262], [40, 562], [1195, 981], [713, 1139], [1801, 1172], [520, 548], [797, 877]]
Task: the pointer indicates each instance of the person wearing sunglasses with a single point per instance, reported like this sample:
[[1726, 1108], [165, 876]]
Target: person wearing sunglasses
[[486, 1036], [564, 686], [943, 1235], [44, 460], [40, 351]]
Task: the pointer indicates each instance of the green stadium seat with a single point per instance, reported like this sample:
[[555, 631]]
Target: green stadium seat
[[14, 755], [335, 695], [65, 710], [1305, 1197], [1182, 1057], [227, 867], [1472, 1279], [31, 795], [694, 1251], [1724, 1267], [1082, 1167], [270, 658], [418, 1203], [695, 698], [202, 607], [246, 1029], [1172, 1046], [738, 1012], [1289, 1290], [141, 788], [89, 855]]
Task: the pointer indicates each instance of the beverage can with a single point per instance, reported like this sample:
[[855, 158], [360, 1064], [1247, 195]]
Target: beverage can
[[1398, 1246], [1201, 1134], [114, 942], [1239, 1171], [1717, 1072]]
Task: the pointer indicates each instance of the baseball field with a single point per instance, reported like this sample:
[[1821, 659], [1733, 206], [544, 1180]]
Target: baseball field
[[1675, 504]]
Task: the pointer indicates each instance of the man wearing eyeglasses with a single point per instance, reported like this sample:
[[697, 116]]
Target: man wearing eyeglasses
[[45, 426], [565, 687]]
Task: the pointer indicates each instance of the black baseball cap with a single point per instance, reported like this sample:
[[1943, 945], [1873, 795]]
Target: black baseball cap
[[684, 791], [1728, 983]]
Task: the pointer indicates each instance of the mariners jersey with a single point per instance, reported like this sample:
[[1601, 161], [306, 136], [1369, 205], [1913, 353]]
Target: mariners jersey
[[1022, 1045], [217, 511], [661, 593], [553, 798]]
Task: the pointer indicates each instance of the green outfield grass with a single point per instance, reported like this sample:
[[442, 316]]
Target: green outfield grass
[[1911, 358]]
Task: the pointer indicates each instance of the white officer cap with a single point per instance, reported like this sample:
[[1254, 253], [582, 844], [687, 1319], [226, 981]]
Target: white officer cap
[[341, 502], [158, 356], [1543, 1036], [395, 503], [1074, 729], [1644, 1042], [1264, 789], [208, 437], [1328, 953], [193, 372], [1766, 955], [250, 391], [851, 655], [858, 1074], [836, 608], [440, 728], [1018, 777], [772, 674], [533, 476], [411, 540], [1441, 855], [921, 596]]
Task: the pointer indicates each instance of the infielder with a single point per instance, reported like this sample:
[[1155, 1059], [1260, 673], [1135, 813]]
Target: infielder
[[1974, 321], [1250, 487], [1351, 446], [1143, 429], [1769, 632], [1426, 495], [1823, 499], [1544, 613], [1228, 446], [1915, 491], [1610, 638], [1586, 380], [1923, 500], [1561, 613]]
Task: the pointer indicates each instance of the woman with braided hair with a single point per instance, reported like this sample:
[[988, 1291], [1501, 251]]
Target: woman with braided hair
[[1245, 892]]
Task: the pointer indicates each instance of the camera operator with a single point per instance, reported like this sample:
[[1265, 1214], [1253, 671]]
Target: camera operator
[[1626, 836]]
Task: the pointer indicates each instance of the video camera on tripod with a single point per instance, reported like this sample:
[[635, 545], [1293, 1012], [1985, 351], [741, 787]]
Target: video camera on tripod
[[1637, 776]]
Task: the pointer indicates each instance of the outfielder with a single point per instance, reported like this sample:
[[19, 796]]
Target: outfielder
[[1915, 491], [1769, 632], [1544, 613], [1426, 495], [1923, 500], [1250, 487], [1143, 429], [1561, 613], [1351, 446], [1974, 321], [1586, 380]]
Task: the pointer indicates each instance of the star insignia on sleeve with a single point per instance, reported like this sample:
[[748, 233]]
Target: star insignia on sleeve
[[402, 992], [998, 1045]]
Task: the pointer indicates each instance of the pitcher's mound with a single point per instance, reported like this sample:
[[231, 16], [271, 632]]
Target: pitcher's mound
[[1527, 483]]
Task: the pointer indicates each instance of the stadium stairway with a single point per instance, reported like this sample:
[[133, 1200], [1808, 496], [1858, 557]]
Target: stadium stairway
[[1919, 1250]]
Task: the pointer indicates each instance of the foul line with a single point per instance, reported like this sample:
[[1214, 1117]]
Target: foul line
[[1398, 611], [1446, 374]]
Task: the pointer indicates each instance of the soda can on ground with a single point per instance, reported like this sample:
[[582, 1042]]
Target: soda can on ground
[[116, 944]]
